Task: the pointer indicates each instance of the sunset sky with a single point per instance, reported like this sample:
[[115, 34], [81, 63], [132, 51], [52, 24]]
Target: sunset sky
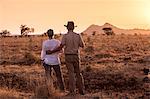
[[45, 14]]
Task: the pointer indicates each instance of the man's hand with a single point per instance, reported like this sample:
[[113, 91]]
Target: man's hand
[[55, 50]]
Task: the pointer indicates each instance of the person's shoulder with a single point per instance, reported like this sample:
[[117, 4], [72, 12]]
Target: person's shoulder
[[45, 41], [65, 34], [56, 40], [73, 33], [76, 33]]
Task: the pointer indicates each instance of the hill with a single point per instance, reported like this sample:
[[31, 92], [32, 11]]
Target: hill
[[99, 30]]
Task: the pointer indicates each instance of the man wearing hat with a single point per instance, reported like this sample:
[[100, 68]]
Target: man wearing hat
[[71, 43], [52, 60]]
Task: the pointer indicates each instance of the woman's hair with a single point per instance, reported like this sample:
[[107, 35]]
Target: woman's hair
[[50, 32]]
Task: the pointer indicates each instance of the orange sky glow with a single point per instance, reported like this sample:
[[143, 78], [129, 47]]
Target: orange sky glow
[[45, 14]]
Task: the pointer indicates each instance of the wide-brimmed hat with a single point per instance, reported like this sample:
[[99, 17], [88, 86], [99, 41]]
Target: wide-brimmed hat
[[70, 24]]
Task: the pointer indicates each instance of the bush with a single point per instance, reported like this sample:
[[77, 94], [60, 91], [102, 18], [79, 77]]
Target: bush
[[88, 69], [89, 49]]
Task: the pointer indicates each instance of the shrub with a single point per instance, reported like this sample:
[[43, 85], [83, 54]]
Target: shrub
[[88, 69], [89, 49]]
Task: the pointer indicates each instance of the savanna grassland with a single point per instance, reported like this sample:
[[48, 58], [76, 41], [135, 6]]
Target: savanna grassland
[[111, 65]]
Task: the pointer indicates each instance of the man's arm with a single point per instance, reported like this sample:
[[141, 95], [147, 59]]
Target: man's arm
[[55, 50], [43, 53], [63, 42], [81, 42]]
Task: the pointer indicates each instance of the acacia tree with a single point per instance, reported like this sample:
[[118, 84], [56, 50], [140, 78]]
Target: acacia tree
[[5, 33], [25, 30], [108, 31]]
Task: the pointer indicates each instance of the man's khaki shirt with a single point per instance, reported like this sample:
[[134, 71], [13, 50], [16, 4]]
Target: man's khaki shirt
[[72, 41]]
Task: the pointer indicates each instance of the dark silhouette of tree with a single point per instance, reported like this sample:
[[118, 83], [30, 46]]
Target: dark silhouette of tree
[[25, 30], [5, 33], [44, 34], [108, 31]]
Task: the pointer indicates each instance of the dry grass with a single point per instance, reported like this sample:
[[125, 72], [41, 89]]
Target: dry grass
[[109, 64], [13, 94]]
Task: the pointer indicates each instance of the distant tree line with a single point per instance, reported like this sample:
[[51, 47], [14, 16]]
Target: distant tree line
[[5, 33], [25, 30]]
